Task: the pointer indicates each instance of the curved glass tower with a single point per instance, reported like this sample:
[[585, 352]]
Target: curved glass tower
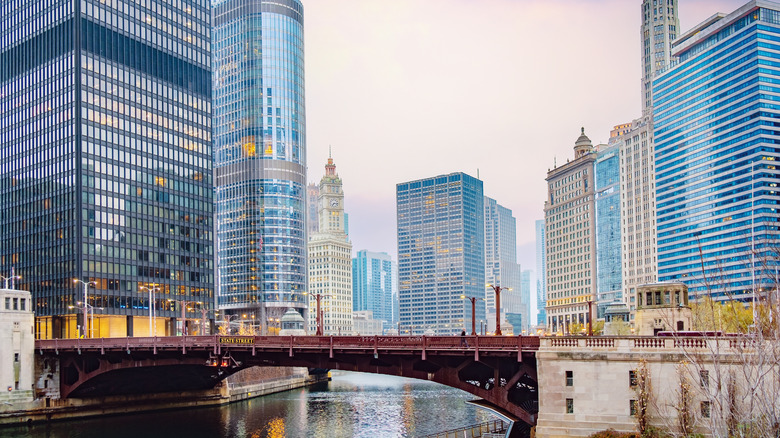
[[259, 159]]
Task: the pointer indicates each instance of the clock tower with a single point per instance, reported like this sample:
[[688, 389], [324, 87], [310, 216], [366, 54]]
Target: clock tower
[[331, 202], [330, 261]]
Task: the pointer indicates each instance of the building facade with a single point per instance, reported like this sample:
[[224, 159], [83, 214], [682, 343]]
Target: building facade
[[660, 25], [541, 274], [260, 158], [608, 239], [441, 255], [105, 163], [330, 260], [373, 282], [501, 267], [715, 155], [570, 237], [637, 206]]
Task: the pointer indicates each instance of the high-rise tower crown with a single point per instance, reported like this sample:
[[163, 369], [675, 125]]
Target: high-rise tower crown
[[583, 145]]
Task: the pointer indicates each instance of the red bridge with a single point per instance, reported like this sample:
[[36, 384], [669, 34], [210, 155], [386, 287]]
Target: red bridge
[[499, 369]]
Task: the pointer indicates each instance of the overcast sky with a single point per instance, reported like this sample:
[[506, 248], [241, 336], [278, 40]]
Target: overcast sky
[[408, 89]]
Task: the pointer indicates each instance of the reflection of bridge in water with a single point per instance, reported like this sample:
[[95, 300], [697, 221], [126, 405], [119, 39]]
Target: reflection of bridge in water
[[499, 369]]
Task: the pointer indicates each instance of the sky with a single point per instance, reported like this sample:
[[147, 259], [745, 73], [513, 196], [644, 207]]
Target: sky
[[408, 89]]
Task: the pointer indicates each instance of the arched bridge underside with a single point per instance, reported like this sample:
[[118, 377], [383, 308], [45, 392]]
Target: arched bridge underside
[[500, 370]]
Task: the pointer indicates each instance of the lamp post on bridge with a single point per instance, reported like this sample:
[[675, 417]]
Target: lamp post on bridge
[[319, 315], [183, 305], [497, 290], [473, 313], [151, 290], [86, 285]]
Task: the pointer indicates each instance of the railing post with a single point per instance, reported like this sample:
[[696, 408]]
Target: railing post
[[291, 345], [376, 351], [102, 346], [423, 347], [331, 347], [519, 348], [183, 348], [476, 349]]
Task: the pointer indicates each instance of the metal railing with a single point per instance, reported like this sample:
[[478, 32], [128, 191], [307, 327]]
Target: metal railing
[[477, 430], [467, 343]]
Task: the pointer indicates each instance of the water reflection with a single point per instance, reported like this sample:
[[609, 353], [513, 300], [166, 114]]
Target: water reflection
[[351, 405]]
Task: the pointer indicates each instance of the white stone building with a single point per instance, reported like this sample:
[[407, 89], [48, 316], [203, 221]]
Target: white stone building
[[330, 260], [17, 343]]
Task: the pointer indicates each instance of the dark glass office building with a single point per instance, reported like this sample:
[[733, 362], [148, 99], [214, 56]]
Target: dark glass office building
[[105, 163], [441, 253], [260, 159]]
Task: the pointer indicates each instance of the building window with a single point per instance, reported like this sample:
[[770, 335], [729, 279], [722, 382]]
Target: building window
[[7, 303], [16, 357], [569, 378], [632, 407], [632, 378], [569, 405], [705, 409], [16, 303], [704, 376]]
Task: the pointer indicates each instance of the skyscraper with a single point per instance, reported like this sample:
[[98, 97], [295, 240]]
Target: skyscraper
[[570, 237], [260, 157], [608, 241], [660, 25], [541, 274], [373, 282], [105, 163], [501, 267], [715, 154], [637, 206], [312, 200], [330, 260], [441, 253]]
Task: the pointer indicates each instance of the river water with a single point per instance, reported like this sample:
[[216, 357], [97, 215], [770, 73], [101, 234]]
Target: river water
[[351, 405]]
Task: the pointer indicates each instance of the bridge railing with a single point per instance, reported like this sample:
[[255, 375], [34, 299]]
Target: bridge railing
[[483, 343]]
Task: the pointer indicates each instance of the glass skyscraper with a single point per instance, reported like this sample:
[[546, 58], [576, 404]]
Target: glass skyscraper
[[716, 115], [105, 162], [501, 267], [541, 273], [608, 223], [441, 254], [373, 282], [260, 158]]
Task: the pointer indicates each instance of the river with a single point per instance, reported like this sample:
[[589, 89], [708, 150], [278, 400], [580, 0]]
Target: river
[[350, 405]]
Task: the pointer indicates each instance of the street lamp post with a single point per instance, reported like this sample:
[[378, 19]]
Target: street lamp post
[[86, 285], [183, 315], [11, 278], [151, 290], [497, 290], [473, 313], [319, 315]]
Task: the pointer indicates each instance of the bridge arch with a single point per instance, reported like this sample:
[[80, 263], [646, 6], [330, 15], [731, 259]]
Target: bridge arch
[[499, 370]]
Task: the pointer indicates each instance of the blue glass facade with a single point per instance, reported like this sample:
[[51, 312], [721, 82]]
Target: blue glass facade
[[105, 165], [373, 279], [260, 157], [608, 241], [541, 274], [441, 253], [716, 119]]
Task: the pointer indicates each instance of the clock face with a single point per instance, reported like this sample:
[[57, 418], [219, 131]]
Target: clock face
[[334, 202]]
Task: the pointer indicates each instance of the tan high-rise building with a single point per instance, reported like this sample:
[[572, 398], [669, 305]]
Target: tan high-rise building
[[660, 25], [570, 232], [330, 260], [637, 211]]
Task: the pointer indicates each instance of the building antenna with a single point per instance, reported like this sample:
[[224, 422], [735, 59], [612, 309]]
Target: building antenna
[[477, 172], [330, 151]]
